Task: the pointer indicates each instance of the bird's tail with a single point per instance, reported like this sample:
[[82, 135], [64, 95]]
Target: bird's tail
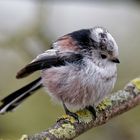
[[14, 99]]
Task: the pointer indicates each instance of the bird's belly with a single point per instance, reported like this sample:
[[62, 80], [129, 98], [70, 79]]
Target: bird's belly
[[104, 88], [74, 88]]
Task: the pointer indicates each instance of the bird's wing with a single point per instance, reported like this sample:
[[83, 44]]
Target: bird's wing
[[48, 59]]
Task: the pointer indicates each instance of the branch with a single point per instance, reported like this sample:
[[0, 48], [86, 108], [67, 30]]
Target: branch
[[67, 128]]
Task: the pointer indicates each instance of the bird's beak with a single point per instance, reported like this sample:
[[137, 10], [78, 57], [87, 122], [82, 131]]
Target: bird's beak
[[115, 60]]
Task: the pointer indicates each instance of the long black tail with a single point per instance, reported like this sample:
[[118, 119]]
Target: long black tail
[[14, 99]]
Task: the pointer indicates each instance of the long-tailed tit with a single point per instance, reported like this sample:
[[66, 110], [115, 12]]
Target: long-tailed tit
[[78, 71]]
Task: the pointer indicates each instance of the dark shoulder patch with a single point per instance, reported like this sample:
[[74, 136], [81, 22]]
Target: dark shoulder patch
[[82, 37]]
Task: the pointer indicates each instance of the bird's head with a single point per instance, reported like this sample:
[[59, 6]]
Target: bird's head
[[104, 44]]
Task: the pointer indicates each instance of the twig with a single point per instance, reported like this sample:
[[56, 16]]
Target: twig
[[67, 128]]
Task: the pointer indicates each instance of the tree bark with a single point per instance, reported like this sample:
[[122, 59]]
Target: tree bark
[[67, 128]]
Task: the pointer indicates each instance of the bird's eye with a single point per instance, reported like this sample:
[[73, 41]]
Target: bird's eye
[[103, 56]]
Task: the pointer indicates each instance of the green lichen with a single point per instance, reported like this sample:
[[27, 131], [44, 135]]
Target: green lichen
[[104, 104], [24, 137], [120, 96], [136, 82], [84, 116], [67, 117], [47, 138], [66, 131]]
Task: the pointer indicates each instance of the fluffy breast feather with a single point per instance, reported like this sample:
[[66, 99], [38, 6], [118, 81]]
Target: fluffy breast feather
[[79, 87]]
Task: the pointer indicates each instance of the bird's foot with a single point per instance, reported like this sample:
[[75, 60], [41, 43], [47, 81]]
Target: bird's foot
[[92, 110], [72, 114]]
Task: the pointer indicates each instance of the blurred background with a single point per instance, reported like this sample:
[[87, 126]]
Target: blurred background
[[28, 27]]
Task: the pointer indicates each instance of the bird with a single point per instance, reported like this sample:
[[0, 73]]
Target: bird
[[78, 71]]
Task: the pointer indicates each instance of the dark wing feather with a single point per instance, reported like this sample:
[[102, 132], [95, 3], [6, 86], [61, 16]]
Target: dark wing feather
[[47, 60]]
